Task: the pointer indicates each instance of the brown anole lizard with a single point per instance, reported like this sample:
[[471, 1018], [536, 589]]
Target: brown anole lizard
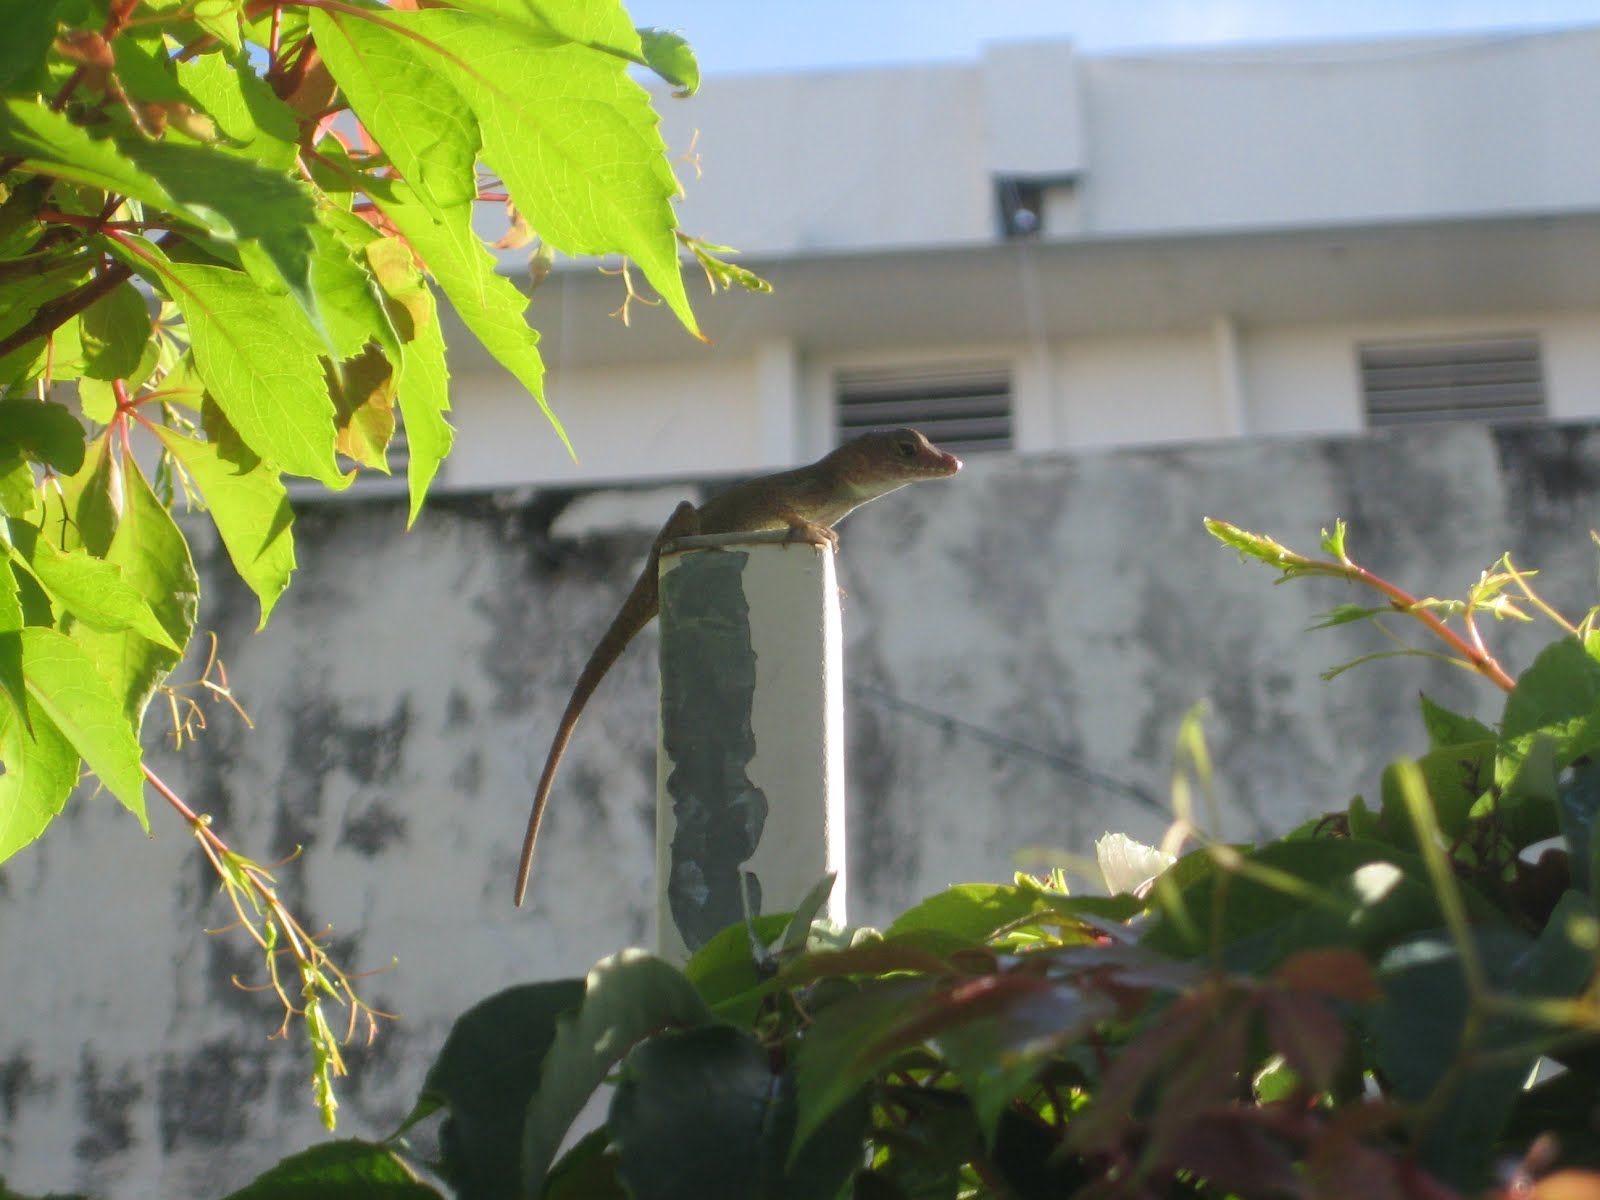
[[807, 501]]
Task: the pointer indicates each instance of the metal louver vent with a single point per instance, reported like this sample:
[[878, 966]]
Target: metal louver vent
[[1478, 379], [960, 406]]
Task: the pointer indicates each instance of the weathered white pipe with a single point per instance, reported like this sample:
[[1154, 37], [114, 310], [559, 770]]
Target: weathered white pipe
[[750, 749]]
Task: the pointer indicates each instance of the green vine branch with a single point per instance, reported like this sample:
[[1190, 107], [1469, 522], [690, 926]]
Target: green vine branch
[[316, 980], [1467, 649]]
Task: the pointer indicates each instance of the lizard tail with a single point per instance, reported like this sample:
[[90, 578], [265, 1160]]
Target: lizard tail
[[637, 610]]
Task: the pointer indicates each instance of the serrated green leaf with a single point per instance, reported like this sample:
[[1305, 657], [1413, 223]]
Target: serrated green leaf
[[256, 355], [239, 201], [63, 681], [486, 303], [221, 19], [19, 496], [250, 507], [363, 401], [144, 71], [672, 58], [424, 385], [259, 125], [573, 137], [93, 591], [41, 767], [115, 329], [155, 562], [415, 114], [49, 143], [346, 291]]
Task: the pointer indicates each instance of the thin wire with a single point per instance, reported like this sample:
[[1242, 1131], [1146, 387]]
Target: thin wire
[[1000, 741]]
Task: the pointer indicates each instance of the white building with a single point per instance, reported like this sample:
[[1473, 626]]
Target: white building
[[1050, 250]]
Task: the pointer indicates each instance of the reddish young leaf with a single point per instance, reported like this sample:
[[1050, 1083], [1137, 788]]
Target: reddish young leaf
[[1310, 1038], [1330, 971]]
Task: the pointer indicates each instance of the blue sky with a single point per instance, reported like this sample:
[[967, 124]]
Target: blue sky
[[769, 35]]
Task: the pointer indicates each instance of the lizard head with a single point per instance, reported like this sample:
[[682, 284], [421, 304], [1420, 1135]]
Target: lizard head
[[891, 458]]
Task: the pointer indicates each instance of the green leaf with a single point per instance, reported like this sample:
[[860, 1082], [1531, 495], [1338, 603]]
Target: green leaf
[[1457, 776], [41, 767], [1447, 728], [1558, 695], [220, 18], [30, 27], [726, 971], [363, 403], [671, 57], [115, 329], [969, 913], [689, 1114], [144, 71], [588, 1171], [487, 303], [11, 621], [256, 354], [250, 507], [244, 107], [1527, 802], [18, 497], [1255, 545], [422, 123], [424, 386], [573, 137], [485, 1074], [93, 591], [63, 681], [1417, 1032], [155, 562], [43, 431], [845, 1048], [626, 998], [243, 202], [1302, 895], [1344, 614], [999, 1045], [347, 293], [352, 1169], [1333, 543], [20, 299], [1578, 810], [50, 144]]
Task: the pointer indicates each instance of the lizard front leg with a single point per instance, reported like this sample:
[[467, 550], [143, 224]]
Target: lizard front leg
[[802, 530]]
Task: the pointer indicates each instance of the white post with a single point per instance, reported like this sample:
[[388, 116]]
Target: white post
[[750, 750]]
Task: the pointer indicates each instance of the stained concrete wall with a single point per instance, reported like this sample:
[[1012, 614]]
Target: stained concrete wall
[[1022, 642]]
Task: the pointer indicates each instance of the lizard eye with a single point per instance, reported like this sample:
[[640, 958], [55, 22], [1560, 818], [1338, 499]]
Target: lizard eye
[[908, 449]]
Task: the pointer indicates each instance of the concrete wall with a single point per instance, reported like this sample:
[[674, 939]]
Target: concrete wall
[[1022, 642], [769, 402], [1339, 133]]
